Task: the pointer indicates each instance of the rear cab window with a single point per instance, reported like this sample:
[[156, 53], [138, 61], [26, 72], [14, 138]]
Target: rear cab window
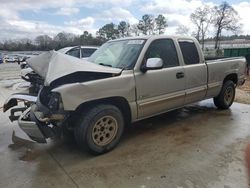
[[189, 52]]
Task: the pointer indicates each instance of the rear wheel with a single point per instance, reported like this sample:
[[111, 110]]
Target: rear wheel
[[226, 97], [100, 129]]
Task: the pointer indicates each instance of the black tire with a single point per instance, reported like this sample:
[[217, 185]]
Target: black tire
[[95, 133], [226, 97]]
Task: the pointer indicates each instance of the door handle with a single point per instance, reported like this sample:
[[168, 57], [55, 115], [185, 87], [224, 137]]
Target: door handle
[[179, 75]]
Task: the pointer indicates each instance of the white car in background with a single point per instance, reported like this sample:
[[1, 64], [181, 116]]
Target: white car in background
[[81, 52], [10, 59]]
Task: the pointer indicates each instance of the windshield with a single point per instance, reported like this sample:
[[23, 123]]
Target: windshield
[[118, 54]]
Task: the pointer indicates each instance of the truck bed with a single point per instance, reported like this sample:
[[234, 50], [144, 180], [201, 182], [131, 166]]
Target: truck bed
[[219, 59], [218, 69]]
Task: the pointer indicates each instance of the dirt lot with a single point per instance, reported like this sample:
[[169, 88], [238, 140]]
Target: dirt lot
[[196, 146], [243, 93]]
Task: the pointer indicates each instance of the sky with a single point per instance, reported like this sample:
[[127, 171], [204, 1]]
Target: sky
[[30, 18]]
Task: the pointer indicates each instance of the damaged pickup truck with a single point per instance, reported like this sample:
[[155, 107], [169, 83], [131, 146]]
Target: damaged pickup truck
[[126, 80]]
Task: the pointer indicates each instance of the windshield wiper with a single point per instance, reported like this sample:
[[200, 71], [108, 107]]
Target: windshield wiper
[[103, 64], [123, 67]]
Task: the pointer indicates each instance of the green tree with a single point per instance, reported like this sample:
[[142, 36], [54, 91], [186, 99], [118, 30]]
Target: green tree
[[43, 41], [161, 23], [63, 39], [108, 31], [86, 38], [123, 29], [147, 24], [1, 46]]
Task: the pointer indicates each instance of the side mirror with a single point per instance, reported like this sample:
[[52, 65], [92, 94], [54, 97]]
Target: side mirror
[[152, 64]]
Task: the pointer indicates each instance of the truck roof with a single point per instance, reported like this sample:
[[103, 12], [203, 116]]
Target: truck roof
[[146, 37], [65, 49]]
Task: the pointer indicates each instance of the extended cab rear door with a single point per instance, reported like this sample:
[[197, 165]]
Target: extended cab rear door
[[160, 90], [195, 71]]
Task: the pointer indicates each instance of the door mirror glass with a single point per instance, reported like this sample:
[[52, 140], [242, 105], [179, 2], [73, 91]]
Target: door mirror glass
[[152, 64]]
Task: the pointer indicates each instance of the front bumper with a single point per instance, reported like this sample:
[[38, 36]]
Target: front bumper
[[15, 98], [37, 126], [38, 123], [29, 125]]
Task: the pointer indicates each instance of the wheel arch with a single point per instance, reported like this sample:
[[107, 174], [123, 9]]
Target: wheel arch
[[120, 102], [233, 77]]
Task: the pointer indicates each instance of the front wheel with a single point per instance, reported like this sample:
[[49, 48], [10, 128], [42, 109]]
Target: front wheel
[[226, 97], [100, 129]]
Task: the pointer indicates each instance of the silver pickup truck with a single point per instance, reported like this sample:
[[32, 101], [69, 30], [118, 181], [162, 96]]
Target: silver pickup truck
[[126, 80]]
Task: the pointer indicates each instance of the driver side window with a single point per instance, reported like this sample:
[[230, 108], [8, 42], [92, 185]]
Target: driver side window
[[164, 49]]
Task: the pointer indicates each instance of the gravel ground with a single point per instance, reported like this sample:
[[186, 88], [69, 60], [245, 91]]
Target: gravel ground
[[9, 71], [243, 93]]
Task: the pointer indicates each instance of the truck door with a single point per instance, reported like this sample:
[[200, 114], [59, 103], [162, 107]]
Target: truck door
[[195, 72], [160, 90]]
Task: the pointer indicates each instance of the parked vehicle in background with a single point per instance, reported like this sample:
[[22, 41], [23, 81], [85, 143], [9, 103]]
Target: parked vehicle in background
[[75, 51], [79, 51], [10, 59], [125, 80]]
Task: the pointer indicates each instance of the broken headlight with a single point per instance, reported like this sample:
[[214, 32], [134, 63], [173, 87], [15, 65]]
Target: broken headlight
[[54, 102]]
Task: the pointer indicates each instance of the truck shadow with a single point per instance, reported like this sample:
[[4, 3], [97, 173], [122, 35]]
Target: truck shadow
[[170, 119]]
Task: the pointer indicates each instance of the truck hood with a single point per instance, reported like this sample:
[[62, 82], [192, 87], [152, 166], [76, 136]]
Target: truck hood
[[52, 66]]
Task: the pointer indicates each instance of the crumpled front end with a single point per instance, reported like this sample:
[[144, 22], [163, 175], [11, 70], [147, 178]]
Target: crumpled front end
[[28, 123], [44, 116], [37, 125], [41, 117], [14, 100]]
